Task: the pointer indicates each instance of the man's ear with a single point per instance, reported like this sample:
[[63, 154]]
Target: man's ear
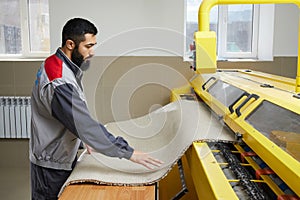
[[70, 44]]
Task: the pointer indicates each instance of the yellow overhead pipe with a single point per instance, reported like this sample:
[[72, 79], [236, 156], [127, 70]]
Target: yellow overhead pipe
[[206, 5]]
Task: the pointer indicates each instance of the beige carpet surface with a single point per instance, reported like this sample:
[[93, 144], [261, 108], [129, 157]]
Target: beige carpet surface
[[165, 134]]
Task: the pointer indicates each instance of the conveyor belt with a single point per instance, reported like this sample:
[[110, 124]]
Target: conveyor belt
[[244, 176], [248, 175]]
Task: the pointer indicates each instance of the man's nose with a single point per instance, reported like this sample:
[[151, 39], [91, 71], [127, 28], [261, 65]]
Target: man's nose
[[92, 52]]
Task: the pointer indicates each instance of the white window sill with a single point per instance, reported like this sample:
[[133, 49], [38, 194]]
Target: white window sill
[[242, 60], [21, 59], [187, 59]]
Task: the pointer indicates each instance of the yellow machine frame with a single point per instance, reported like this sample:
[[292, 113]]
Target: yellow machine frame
[[283, 164]]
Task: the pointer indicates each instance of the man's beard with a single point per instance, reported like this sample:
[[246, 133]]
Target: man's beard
[[78, 59]]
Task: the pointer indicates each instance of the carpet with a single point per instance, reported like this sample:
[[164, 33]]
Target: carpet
[[165, 133]]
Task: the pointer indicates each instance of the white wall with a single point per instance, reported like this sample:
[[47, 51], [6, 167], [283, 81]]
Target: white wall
[[122, 26], [286, 30]]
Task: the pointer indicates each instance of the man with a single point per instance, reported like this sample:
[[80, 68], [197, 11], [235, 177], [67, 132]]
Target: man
[[60, 117]]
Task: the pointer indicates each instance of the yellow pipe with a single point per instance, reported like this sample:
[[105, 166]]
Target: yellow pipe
[[298, 64], [206, 5]]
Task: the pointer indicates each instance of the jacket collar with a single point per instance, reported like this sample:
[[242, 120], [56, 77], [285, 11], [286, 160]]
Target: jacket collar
[[75, 69]]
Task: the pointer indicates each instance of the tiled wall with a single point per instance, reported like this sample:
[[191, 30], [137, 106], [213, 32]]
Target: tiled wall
[[17, 77], [110, 80], [14, 153], [129, 87], [283, 66], [121, 88], [149, 80]]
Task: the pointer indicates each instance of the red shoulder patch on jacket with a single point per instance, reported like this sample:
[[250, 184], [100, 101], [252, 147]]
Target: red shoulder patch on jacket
[[53, 67]]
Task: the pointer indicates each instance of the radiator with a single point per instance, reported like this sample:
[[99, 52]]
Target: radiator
[[15, 117]]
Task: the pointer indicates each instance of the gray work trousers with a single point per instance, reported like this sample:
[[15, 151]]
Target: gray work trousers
[[46, 182]]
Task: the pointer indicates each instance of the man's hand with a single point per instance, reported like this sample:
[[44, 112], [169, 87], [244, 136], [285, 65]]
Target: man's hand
[[89, 149], [144, 159]]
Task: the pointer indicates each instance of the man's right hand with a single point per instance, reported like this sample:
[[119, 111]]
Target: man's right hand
[[145, 160]]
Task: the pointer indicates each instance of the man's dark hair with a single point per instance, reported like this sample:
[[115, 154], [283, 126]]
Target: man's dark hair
[[76, 28]]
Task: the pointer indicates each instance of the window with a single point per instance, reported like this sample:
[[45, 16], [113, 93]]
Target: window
[[24, 28], [236, 27]]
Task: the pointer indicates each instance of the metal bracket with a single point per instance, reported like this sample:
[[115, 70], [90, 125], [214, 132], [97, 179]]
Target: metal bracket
[[230, 107], [211, 78], [238, 109], [184, 189], [238, 136], [266, 85], [297, 96]]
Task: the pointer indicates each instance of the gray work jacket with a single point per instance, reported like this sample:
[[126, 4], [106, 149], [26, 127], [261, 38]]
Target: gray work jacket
[[60, 118]]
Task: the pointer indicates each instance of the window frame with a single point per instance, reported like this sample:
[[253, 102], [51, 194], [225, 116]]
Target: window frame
[[221, 38], [25, 37]]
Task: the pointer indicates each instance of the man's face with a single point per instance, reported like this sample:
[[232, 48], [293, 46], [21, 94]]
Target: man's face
[[84, 51]]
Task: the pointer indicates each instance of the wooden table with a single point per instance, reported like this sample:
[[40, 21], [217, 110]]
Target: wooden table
[[99, 192]]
